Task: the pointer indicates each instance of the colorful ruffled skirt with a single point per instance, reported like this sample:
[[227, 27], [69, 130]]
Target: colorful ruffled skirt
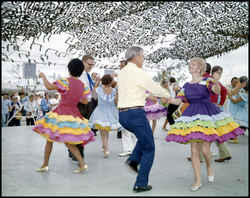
[[154, 111], [64, 128], [203, 122]]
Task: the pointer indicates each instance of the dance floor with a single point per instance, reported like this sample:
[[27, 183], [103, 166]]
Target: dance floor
[[171, 174]]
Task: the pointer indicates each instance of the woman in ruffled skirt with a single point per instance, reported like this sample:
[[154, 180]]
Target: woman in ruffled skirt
[[154, 110], [65, 124], [202, 122]]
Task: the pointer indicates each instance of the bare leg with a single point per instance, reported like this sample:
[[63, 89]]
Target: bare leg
[[105, 140], [195, 152], [153, 125], [75, 151], [47, 152], [207, 155], [165, 124]]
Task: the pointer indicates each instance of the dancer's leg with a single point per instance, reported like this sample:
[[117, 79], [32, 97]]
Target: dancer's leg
[[47, 152], [195, 152]]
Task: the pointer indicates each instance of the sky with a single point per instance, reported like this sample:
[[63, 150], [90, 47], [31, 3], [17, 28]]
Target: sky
[[234, 63]]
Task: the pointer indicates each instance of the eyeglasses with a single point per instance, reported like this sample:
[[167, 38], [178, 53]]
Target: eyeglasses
[[219, 72], [90, 64]]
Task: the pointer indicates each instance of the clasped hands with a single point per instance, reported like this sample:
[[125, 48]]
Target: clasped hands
[[166, 100]]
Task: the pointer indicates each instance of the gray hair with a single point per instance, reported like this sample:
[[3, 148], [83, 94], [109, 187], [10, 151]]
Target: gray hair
[[132, 52]]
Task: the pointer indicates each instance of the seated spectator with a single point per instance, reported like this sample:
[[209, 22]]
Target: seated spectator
[[15, 113], [30, 107]]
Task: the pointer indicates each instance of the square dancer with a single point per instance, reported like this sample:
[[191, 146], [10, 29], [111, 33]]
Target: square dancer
[[133, 83], [65, 124]]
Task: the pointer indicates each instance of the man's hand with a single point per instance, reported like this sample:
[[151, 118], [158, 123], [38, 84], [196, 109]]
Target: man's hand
[[41, 75], [164, 100], [153, 98]]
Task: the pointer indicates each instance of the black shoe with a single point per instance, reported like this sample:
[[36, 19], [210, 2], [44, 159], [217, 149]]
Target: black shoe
[[219, 160], [132, 165], [119, 134], [142, 189], [228, 158]]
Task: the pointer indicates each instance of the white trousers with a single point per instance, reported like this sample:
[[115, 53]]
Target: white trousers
[[128, 140]]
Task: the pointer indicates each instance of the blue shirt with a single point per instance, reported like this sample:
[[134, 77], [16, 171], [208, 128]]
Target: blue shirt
[[44, 105], [5, 106]]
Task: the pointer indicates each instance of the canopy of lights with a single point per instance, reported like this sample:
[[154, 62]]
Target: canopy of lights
[[175, 30]]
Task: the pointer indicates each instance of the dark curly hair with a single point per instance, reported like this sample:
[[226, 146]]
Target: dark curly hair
[[75, 67], [172, 80], [208, 68], [107, 79]]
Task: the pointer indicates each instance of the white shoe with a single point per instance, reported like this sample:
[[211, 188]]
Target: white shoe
[[195, 188], [44, 169], [84, 168], [106, 154], [125, 154], [211, 179]]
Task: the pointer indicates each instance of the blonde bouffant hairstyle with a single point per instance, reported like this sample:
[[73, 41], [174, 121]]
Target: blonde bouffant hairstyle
[[201, 62]]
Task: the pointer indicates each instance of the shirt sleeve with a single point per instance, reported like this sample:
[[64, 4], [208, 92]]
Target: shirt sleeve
[[148, 84], [86, 93], [223, 94], [62, 85]]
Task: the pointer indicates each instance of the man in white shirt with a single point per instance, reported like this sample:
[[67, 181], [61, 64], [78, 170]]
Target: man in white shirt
[[133, 82], [128, 138], [30, 106], [86, 109]]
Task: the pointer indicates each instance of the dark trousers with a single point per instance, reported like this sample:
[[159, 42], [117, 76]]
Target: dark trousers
[[15, 122], [30, 121], [135, 120], [85, 110], [171, 109]]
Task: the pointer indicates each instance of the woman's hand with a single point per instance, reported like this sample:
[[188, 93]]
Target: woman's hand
[[216, 87]]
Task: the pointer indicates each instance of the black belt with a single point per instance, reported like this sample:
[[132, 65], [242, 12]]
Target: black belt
[[130, 108]]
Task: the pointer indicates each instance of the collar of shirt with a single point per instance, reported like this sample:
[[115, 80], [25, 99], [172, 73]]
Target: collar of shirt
[[84, 79]]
